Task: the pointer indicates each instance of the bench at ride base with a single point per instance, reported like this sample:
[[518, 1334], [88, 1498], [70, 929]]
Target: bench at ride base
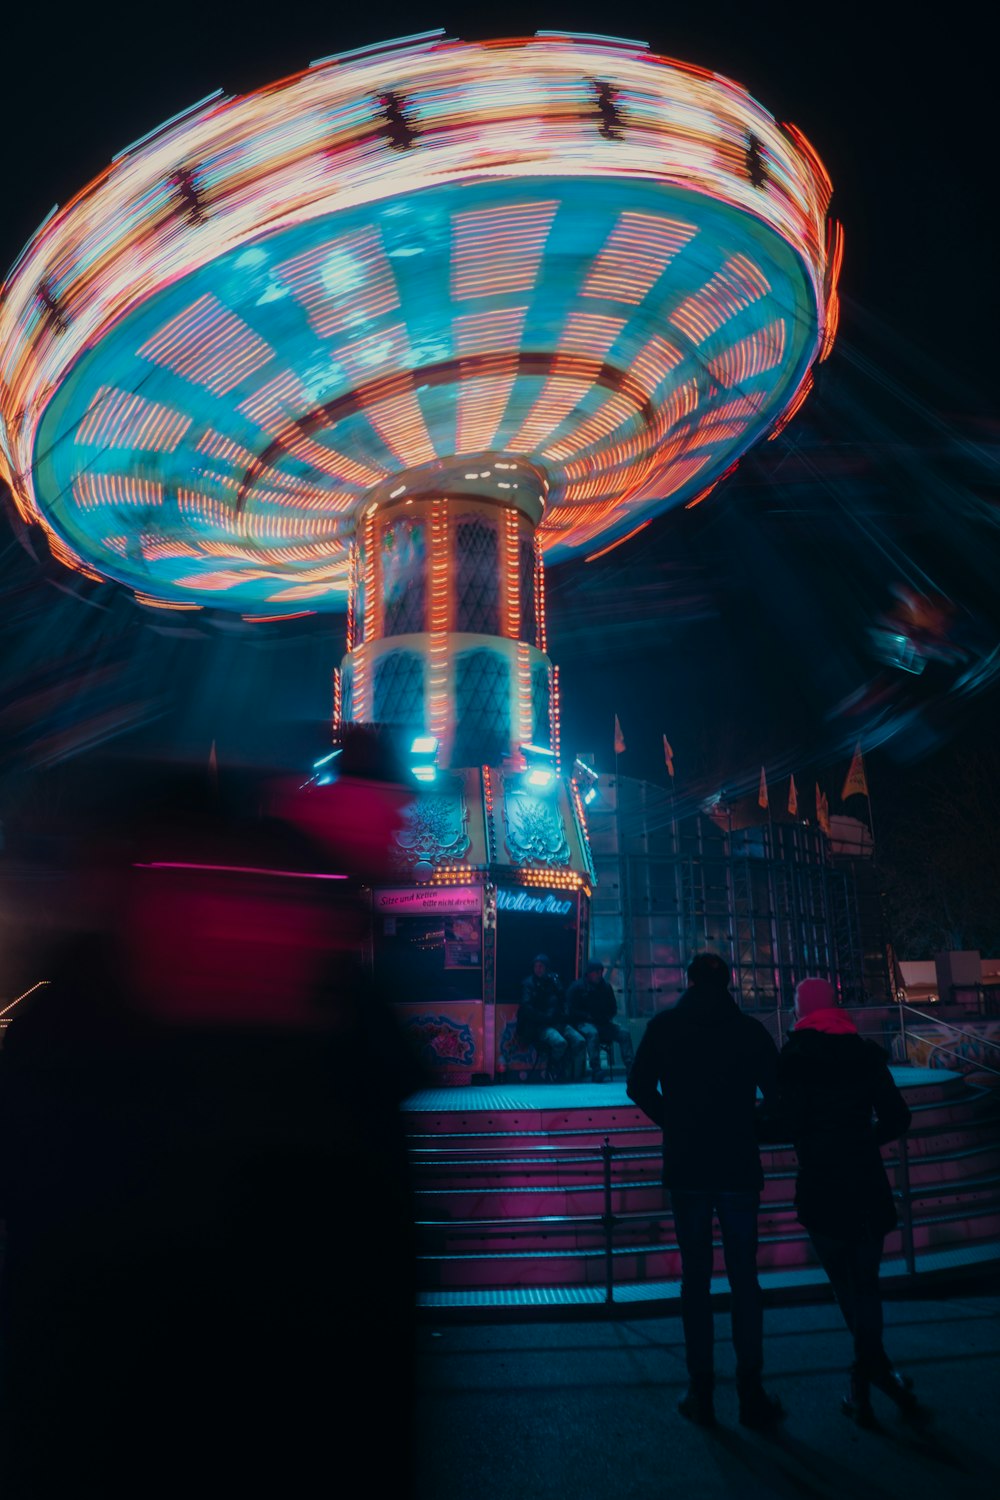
[[450, 1039]]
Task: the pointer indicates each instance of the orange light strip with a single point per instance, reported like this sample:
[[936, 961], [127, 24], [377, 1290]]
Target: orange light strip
[[91, 490], [524, 694], [790, 411], [542, 629], [635, 254], [337, 696], [208, 345], [352, 590], [400, 424], [373, 613], [555, 715], [152, 603], [737, 285], [758, 352], [498, 250], [482, 403], [512, 577], [611, 547], [300, 614], [835, 259], [343, 282], [124, 419], [564, 880], [439, 621], [360, 707]]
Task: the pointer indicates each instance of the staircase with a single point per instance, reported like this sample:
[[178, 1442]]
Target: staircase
[[512, 1195]]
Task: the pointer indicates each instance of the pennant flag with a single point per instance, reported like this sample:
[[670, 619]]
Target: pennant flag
[[762, 790], [668, 756], [793, 799], [856, 782], [619, 737], [822, 811]]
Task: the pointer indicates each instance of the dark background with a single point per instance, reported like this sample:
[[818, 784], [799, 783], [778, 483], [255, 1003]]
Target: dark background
[[741, 629]]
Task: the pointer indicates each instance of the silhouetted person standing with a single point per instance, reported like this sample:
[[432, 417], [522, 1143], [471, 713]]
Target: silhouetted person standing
[[839, 1103], [696, 1073]]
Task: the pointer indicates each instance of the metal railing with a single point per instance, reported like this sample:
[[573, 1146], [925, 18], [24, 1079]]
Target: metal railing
[[5, 1016], [957, 1031], [581, 1163]]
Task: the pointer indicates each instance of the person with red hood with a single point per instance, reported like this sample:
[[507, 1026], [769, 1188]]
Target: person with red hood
[[838, 1103]]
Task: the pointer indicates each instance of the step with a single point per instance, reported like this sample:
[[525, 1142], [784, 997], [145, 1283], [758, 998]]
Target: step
[[562, 1265], [955, 1154], [585, 1230], [547, 1301]]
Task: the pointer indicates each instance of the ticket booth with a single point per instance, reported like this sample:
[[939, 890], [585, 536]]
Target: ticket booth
[[490, 875]]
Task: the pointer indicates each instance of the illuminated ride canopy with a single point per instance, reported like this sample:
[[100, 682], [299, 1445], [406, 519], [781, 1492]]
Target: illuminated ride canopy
[[561, 259]]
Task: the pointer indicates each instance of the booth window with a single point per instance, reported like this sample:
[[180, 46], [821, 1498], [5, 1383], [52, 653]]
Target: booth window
[[427, 958], [522, 934]]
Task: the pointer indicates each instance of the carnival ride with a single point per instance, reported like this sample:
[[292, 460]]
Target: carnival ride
[[388, 335]]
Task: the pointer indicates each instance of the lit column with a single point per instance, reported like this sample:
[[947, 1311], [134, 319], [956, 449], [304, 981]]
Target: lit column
[[441, 557]]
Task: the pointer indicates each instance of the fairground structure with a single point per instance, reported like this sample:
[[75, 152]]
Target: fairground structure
[[388, 336]]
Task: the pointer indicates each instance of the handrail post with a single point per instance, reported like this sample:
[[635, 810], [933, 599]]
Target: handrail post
[[902, 1030], [909, 1254], [608, 1220]]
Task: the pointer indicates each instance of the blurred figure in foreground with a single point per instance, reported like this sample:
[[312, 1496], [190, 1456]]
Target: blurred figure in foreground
[[209, 1256], [696, 1074], [831, 1082]]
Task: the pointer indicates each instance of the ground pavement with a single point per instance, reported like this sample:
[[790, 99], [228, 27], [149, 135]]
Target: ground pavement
[[585, 1410]]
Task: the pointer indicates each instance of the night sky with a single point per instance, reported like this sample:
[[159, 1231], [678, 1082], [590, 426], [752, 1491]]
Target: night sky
[[742, 629]]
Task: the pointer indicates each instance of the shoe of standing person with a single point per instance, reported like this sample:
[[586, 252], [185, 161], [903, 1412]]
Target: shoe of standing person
[[757, 1409], [857, 1404], [899, 1388], [698, 1403]]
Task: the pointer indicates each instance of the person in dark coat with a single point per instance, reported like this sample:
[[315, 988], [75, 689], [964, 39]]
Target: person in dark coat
[[592, 1008], [696, 1074], [542, 1022], [832, 1085]]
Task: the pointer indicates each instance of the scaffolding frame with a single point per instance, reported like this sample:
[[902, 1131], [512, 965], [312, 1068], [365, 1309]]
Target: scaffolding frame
[[770, 898]]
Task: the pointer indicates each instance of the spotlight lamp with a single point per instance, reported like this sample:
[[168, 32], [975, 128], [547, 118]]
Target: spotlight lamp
[[540, 767], [423, 758], [586, 780]]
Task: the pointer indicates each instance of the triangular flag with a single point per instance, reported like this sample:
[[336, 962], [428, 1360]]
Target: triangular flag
[[822, 811], [762, 790], [793, 799], [668, 756], [619, 737], [856, 782]]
